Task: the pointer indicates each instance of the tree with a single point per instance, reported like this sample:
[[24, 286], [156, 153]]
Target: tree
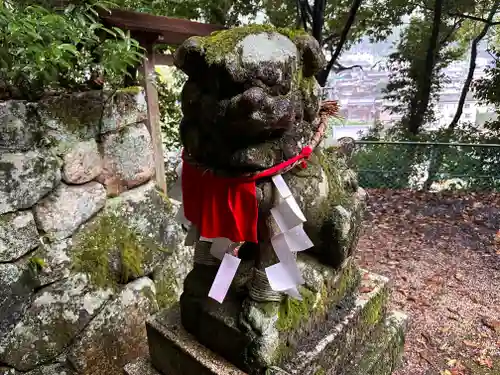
[[442, 32], [339, 24], [46, 50], [336, 24], [416, 78]]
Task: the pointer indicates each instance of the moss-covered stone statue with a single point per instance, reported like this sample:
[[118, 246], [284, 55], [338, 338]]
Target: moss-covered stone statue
[[251, 102]]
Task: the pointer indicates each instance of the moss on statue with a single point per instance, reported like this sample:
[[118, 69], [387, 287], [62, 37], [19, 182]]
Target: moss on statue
[[96, 246], [293, 312], [221, 43], [337, 194]]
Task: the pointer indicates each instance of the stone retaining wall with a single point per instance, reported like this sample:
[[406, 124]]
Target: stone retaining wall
[[88, 247]]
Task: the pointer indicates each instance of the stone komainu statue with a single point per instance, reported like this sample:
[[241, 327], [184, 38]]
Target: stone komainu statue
[[252, 112]]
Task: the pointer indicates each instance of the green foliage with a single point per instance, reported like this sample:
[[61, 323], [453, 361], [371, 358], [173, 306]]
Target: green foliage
[[169, 86], [487, 88], [36, 264], [44, 49], [417, 165], [222, 12], [407, 65]]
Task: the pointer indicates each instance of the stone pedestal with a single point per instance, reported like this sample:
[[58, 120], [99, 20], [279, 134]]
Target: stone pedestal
[[354, 336]]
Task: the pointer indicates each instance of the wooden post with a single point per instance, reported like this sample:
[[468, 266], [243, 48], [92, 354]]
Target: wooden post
[[153, 121]]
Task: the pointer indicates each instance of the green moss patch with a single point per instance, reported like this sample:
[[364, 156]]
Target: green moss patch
[[375, 310], [221, 43], [166, 294], [78, 113], [295, 315], [293, 312], [109, 240]]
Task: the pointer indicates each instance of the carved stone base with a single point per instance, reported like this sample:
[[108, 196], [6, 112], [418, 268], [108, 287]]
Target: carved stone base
[[361, 340], [265, 334]]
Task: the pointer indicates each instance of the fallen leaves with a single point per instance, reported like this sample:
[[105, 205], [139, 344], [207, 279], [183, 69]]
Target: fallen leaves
[[455, 367], [485, 360], [492, 324], [439, 252], [471, 344]]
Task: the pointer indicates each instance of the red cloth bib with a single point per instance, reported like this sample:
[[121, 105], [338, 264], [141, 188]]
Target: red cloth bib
[[225, 206]]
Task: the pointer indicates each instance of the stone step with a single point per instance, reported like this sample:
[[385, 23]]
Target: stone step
[[382, 354], [253, 345], [332, 346], [174, 351], [141, 366], [328, 350]]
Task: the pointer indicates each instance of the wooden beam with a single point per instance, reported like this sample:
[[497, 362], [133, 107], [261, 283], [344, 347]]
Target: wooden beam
[[153, 121], [166, 30]]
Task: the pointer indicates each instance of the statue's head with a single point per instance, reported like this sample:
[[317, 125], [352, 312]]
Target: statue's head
[[248, 88]]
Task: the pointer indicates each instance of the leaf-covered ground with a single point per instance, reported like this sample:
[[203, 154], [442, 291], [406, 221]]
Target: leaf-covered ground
[[442, 254]]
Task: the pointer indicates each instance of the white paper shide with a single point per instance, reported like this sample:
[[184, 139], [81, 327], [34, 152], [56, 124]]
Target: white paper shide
[[291, 238]]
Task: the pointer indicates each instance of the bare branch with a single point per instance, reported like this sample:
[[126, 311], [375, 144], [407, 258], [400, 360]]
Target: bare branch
[[460, 15], [323, 76], [474, 18], [340, 68]]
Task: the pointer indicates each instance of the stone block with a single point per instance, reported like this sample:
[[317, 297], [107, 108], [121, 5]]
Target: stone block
[[257, 329], [175, 351], [141, 366], [18, 235], [54, 319], [117, 334], [55, 262], [128, 159], [19, 126], [70, 118], [134, 235], [26, 178], [332, 345], [55, 369], [16, 295], [329, 348], [126, 107], [61, 213], [82, 163], [382, 354]]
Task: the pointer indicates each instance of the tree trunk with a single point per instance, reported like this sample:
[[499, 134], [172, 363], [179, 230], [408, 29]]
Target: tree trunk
[[420, 103], [437, 159], [322, 76], [472, 66]]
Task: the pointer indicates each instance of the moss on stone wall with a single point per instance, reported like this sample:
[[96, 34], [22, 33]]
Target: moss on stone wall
[[109, 237], [166, 294], [134, 90], [374, 312], [76, 112]]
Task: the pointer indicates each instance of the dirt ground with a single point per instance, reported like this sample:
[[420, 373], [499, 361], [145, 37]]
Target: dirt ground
[[442, 254]]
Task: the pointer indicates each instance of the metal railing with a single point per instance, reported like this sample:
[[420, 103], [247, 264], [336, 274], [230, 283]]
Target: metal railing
[[430, 166]]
